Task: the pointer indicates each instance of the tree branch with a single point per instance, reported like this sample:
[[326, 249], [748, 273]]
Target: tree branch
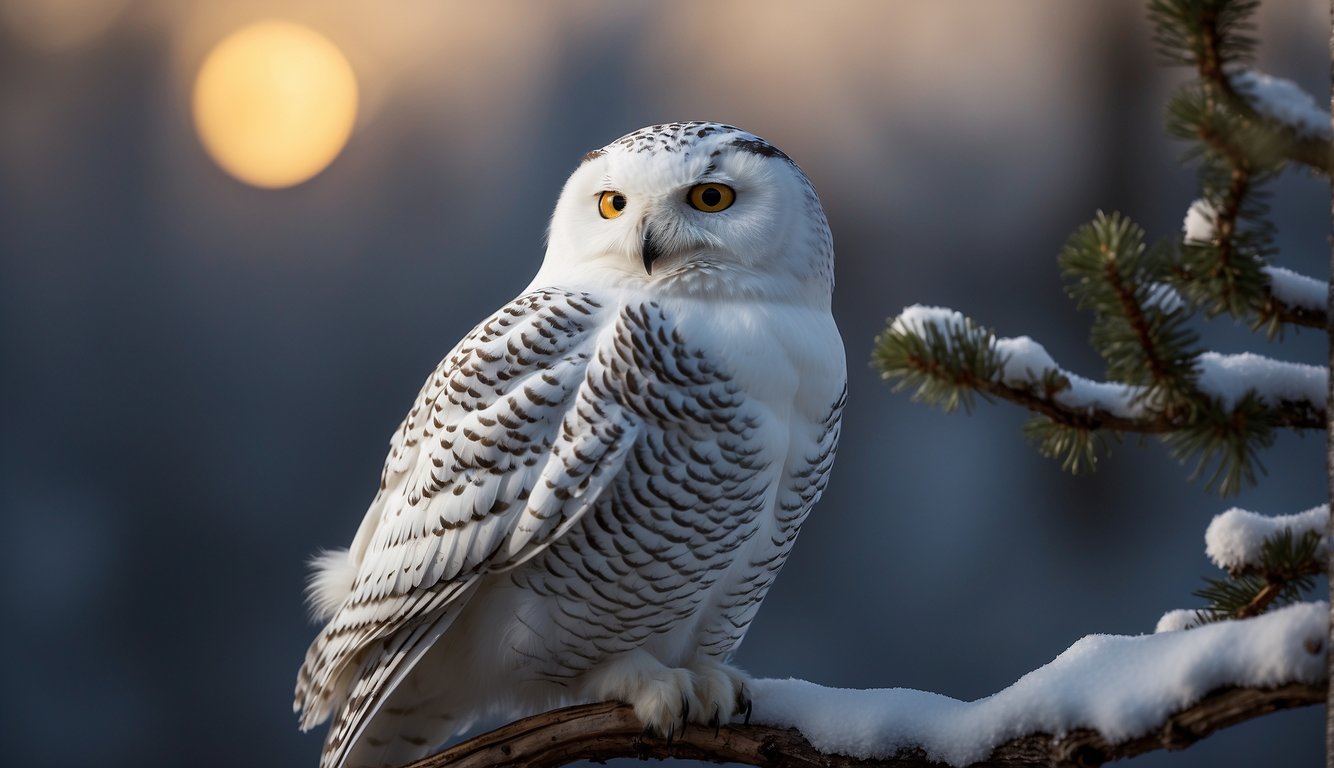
[[1314, 153], [1134, 315], [1293, 315], [1272, 309], [1289, 414], [604, 731]]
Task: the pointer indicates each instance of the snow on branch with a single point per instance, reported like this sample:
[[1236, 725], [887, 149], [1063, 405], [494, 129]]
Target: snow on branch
[[1218, 47], [1020, 369], [1300, 131], [1293, 298], [1216, 411], [1119, 686], [1232, 377], [1298, 290], [1246, 127], [1267, 562], [1284, 102], [1017, 369], [1235, 540], [1105, 698], [1201, 224]]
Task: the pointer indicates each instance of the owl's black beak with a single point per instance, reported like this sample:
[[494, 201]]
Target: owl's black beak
[[649, 250]]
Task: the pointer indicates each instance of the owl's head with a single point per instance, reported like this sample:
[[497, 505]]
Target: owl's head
[[699, 208]]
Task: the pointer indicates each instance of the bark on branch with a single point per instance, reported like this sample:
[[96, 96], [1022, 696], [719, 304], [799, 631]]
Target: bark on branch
[[604, 731], [1287, 414]]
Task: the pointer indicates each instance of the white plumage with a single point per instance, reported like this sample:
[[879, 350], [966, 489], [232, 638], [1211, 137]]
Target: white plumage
[[595, 489]]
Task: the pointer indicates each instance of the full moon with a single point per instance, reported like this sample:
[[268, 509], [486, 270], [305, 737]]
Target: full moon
[[274, 103]]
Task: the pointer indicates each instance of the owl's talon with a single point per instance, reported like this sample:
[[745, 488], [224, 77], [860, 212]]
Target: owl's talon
[[640, 748], [716, 721], [742, 699]]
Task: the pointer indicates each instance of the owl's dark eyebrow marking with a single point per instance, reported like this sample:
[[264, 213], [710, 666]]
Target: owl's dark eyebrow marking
[[757, 147], [711, 169], [593, 155]]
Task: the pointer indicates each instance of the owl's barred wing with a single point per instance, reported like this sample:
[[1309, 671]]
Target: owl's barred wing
[[508, 444], [807, 470], [811, 448]]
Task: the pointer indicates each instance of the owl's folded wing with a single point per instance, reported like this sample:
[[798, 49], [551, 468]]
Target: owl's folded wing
[[508, 444]]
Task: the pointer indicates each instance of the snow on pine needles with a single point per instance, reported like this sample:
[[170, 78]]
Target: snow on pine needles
[[1024, 362], [1235, 539]]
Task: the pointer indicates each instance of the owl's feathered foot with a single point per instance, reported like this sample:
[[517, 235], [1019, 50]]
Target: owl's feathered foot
[[666, 699], [723, 689]]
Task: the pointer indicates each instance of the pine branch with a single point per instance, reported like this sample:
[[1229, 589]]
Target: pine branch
[[1142, 298], [948, 359], [600, 732], [1216, 38], [1224, 272], [1314, 153], [1227, 440], [1226, 279], [1224, 267], [1139, 326], [1293, 315], [1287, 568], [1240, 147], [947, 363], [1204, 33], [1290, 300], [1269, 562]]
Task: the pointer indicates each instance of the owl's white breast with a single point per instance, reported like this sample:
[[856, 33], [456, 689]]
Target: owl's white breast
[[786, 355]]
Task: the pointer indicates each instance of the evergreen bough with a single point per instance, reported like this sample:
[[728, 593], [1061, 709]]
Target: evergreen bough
[[1144, 298]]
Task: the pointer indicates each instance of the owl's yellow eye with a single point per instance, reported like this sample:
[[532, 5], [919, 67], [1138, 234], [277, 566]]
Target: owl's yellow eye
[[711, 198], [611, 204]]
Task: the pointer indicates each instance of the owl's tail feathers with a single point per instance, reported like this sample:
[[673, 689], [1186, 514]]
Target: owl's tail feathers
[[407, 728], [314, 700], [366, 642], [380, 673]]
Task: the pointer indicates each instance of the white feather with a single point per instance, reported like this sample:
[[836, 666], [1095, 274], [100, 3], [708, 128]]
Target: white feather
[[332, 575]]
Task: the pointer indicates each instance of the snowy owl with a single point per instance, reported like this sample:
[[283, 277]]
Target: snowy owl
[[596, 488]]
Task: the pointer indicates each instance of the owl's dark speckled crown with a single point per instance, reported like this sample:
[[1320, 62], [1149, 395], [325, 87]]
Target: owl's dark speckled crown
[[681, 137]]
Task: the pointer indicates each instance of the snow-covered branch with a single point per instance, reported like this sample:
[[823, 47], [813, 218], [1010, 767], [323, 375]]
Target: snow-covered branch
[[1298, 291], [1215, 37], [1024, 372], [1284, 102], [1268, 561], [1105, 698], [1301, 129], [1292, 298], [1288, 109], [1235, 539], [1211, 409]]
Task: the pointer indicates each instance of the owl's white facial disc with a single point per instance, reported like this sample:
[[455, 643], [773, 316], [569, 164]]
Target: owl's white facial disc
[[753, 227]]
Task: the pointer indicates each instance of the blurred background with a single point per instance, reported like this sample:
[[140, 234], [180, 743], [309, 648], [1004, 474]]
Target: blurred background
[[205, 341]]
